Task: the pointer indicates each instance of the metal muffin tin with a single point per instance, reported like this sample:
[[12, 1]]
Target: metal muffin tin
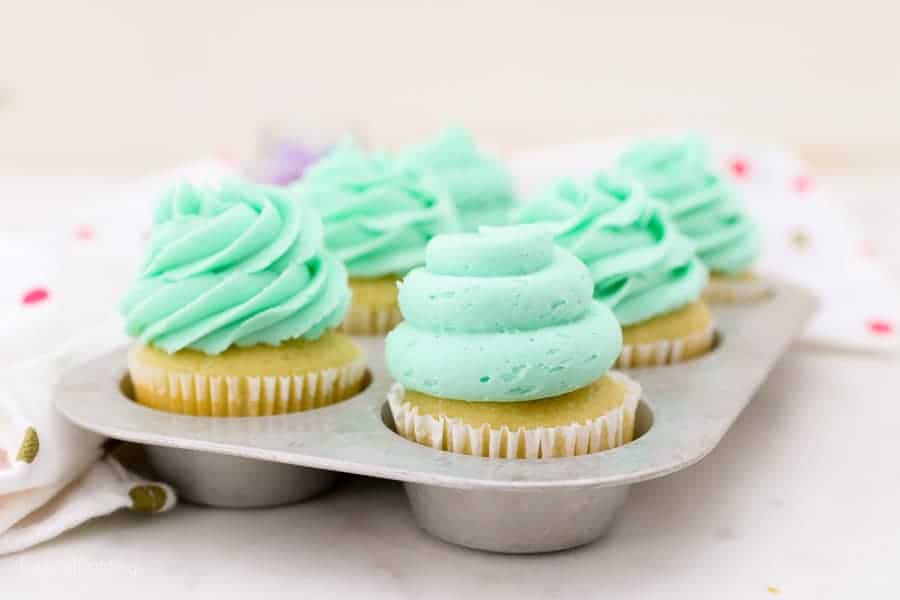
[[502, 505]]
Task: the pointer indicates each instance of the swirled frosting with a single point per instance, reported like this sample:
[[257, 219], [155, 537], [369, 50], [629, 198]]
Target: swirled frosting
[[480, 186], [501, 315], [378, 215], [702, 204], [240, 264], [640, 264]]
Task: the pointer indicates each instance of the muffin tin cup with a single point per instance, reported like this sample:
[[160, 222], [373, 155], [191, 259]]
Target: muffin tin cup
[[496, 504], [517, 521], [226, 481]]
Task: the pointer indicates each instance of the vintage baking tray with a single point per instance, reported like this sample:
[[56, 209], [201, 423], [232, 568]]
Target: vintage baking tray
[[502, 505]]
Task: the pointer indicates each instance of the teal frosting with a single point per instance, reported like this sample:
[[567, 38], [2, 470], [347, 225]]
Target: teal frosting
[[640, 264], [378, 214], [480, 186], [700, 201], [501, 315], [238, 264]]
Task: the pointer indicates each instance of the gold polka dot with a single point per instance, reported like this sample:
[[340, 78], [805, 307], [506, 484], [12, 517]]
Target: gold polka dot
[[28, 451], [147, 498], [800, 239]]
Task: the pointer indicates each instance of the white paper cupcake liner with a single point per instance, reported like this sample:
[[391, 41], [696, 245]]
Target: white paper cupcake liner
[[246, 396], [613, 429], [737, 291], [666, 352], [370, 321]]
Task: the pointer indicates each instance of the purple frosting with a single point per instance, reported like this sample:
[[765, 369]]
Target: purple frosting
[[286, 162]]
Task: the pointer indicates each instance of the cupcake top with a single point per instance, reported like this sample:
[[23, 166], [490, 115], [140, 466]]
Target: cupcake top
[[480, 186], [501, 315], [238, 264], [641, 266], [378, 215], [702, 204]]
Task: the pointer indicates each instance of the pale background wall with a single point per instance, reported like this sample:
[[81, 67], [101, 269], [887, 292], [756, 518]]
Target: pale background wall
[[114, 86]]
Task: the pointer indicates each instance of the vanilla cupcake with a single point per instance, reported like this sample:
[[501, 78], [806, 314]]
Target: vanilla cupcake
[[705, 208], [503, 353], [378, 217], [235, 306], [479, 185], [641, 266]]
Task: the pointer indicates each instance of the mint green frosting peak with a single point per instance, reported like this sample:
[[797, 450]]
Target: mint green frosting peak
[[479, 185], [378, 214], [704, 206], [640, 265], [500, 315], [237, 264]]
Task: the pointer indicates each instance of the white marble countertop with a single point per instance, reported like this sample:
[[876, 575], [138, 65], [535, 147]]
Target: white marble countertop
[[799, 501]]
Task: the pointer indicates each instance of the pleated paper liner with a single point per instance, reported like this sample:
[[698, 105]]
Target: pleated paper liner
[[244, 396], [367, 320], [667, 352], [615, 428], [737, 290], [374, 309]]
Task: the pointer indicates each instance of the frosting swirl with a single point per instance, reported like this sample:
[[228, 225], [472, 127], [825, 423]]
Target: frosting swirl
[[501, 315], [640, 264], [480, 187], [702, 204], [378, 216], [240, 264]]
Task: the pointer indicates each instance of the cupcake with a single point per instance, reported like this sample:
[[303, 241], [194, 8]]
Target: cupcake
[[705, 208], [503, 353], [480, 186], [641, 267], [235, 307], [378, 217]]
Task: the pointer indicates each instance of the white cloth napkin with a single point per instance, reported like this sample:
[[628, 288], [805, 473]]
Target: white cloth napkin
[[806, 238], [50, 477]]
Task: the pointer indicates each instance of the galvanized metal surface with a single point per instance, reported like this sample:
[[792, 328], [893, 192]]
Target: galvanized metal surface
[[233, 482], [500, 505]]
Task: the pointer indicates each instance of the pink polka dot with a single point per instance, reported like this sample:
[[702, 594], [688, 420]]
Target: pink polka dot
[[35, 296], [229, 158], [868, 248], [880, 327], [739, 167], [85, 232], [801, 184]]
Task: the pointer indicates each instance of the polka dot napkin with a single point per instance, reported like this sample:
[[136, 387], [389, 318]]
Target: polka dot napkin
[[806, 237], [53, 475]]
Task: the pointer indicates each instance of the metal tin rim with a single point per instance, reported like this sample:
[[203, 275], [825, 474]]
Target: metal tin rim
[[691, 413]]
